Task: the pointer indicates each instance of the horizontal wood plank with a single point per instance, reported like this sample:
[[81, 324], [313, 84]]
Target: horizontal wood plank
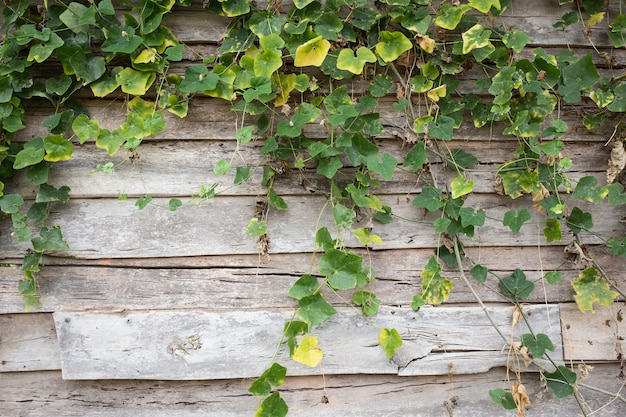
[[114, 229], [239, 344], [594, 336], [28, 342], [179, 168], [247, 282], [44, 394]]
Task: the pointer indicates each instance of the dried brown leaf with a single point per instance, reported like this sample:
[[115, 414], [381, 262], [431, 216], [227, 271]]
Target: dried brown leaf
[[521, 398], [617, 161]]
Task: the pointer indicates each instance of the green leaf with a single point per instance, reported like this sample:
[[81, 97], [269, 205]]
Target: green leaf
[[368, 301], [32, 154], [343, 215], [242, 174], [222, 167], [385, 165], [346, 60], [275, 200], [504, 398], [57, 148], [256, 227], [49, 240], [579, 75], [266, 23], [311, 53], [111, 141], [515, 219], [441, 128], [390, 340], [40, 52], [461, 186], [587, 190], [618, 247], [429, 198], [619, 102], [448, 17], [329, 25], [142, 202], [174, 204], [122, 40], [87, 67], [198, 78], [479, 273], [552, 231], [340, 268], [537, 344], [73, 17], [484, 6], [579, 220], [475, 38], [305, 286], [416, 157], [516, 285], [48, 193], [307, 353], [11, 203], [461, 160], [84, 128], [134, 82], [391, 45], [435, 287], [553, 277], [366, 238], [314, 309], [274, 375], [417, 302], [272, 406], [562, 381], [590, 288], [515, 40]]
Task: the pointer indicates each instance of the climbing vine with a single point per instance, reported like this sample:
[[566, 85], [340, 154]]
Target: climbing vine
[[336, 66]]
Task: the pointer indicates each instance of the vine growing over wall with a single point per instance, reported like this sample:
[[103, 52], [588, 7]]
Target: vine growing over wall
[[334, 65]]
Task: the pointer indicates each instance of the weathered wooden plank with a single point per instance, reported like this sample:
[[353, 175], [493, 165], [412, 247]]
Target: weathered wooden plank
[[178, 168], [239, 344], [28, 342], [44, 394], [211, 118], [245, 282], [114, 229], [595, 335]]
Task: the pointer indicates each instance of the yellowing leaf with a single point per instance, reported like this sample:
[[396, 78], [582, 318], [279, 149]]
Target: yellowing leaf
[[427, 44], [484, 6], [307, 353], [366, 238], [436, 93], [285, 83], [461, 186], [146, 56], [392, 45], [594, 19], [590, 289], [312, 53]]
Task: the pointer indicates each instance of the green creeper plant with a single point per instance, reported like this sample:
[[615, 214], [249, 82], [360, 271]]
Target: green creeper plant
[[287, 70]]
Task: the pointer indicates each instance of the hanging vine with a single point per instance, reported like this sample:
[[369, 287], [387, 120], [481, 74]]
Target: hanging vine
[[336, 66]]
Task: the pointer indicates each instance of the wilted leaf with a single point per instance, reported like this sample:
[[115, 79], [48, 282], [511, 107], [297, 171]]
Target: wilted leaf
[[591, 289]]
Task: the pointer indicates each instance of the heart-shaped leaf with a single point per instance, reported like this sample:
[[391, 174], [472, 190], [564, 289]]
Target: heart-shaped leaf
[[312, 52], [391, 45], [349, 62]]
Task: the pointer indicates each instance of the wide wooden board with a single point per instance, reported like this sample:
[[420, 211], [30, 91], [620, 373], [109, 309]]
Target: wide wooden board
[[28, 342], [45, 394], [200, 344]]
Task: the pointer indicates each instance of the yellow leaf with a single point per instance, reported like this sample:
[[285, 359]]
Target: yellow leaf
[[146, 56], [594, 19], [436, 93], [312, 52], [427, 44], [306, 353]]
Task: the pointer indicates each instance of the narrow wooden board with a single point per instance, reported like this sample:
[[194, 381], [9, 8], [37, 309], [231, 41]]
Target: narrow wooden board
[[28, 342], [594, 336], [114, 229], [179, 168], [247, 282], [44, 394], [239, 344]]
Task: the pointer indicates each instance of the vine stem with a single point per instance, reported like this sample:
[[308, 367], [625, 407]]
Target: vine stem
[[457, 255], [616, 396]]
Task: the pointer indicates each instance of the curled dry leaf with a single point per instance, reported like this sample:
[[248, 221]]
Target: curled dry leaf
[[521, 398], [617, 161], [406, 135], [585, 370], [577, 255]]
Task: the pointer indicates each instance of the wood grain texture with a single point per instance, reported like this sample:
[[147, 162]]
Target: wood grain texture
[[245, 281], [240, 344], [44, 394], [594, 336], [28, 342]]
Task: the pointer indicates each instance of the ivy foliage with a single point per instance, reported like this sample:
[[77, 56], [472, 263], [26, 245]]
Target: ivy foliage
[[295, 68]]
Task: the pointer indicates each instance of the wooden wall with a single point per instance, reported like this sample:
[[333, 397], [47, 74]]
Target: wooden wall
[[159, 313]]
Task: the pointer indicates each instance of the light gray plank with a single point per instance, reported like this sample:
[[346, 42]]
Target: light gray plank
[[44, 394], [28, 342], [245, 282], [592, 336], [157, 169], [114, 229], [239, 344]]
